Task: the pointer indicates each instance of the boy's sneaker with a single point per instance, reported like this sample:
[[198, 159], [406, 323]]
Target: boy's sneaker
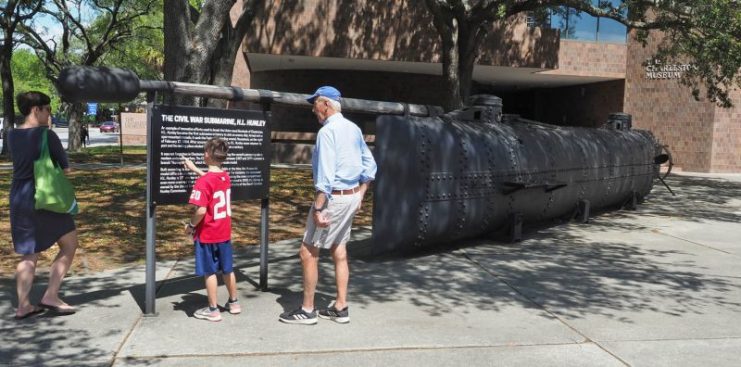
[[206, 314], [341, 316], [298, 316], [233, 307]]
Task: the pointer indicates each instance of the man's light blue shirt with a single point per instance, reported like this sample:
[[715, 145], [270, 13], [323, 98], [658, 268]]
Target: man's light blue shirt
[[341, 158]]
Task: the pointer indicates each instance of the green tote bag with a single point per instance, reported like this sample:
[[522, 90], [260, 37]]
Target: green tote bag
[[54, 192]]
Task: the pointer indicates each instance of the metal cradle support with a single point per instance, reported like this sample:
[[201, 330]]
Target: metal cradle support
[[581, 214], [515, 227], [632, 202]]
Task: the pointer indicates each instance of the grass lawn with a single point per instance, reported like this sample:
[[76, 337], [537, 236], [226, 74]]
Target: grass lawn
[[105, 154], [111, 223], [110, 154]]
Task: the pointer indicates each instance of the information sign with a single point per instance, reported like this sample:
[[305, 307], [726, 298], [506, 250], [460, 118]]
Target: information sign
[[92, 108], [182, 132]]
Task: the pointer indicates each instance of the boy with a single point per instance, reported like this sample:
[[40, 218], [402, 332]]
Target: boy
[[211, 227]]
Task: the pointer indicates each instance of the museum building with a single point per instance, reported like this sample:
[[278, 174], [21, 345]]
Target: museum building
[[571, 69]]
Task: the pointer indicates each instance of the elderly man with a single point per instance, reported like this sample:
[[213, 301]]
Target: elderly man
[[343, 167]]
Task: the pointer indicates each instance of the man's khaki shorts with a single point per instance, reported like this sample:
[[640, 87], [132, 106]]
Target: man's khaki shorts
[[341, 210]]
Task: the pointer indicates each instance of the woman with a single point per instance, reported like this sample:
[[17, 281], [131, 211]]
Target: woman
[[34, 231]]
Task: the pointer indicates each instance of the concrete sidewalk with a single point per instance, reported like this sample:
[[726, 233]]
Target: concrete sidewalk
[[660, 286]]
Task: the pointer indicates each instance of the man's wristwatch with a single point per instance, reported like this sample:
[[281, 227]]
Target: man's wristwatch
[[190, 225], [317, 209]]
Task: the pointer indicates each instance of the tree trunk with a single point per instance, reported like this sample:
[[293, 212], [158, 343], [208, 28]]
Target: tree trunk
[[189, 59], [461, 30], [465, 70], [6, 74], [222, 66], [208, 44], [470, 37], [75, 122], [230, 45], [177, 30], [451, 67]]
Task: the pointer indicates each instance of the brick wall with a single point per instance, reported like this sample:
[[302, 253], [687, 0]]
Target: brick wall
[[668, 109], [385, 30], [726, 155], [587, 58]]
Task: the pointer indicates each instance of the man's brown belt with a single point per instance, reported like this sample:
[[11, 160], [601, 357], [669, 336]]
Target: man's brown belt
[[346, 192]]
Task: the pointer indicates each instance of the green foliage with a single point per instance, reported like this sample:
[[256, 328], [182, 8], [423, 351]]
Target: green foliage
[[29, 74], [86, 33], [103, 32], [704, 33], [143, 52], [712, 45], [196, 4]]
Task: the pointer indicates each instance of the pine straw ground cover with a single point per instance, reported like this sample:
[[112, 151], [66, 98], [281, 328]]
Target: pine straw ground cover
[[111, 224]]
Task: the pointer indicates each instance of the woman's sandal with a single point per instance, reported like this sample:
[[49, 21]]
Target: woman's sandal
[[59, 310], [35, 311]]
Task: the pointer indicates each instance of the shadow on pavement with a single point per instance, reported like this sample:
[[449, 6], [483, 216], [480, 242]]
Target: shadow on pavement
[[605, 268], [697, 199]]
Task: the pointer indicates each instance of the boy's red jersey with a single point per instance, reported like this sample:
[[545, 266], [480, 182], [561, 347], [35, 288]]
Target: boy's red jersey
[[213, 191]]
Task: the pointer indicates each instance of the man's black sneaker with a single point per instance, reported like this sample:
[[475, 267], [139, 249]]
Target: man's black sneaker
[[341, 316], [298, 316]]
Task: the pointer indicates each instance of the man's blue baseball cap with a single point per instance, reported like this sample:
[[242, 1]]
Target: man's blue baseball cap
[[325, 91]]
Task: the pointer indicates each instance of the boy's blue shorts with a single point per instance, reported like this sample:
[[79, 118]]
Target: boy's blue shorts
[[213, 257]]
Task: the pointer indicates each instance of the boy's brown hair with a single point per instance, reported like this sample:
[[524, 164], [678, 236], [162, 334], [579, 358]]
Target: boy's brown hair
[[217, 149]]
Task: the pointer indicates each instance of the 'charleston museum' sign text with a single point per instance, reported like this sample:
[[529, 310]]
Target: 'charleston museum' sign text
[[656, 70]]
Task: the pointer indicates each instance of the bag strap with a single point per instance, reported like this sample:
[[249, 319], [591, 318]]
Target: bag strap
[[45, 148], [44, 144]]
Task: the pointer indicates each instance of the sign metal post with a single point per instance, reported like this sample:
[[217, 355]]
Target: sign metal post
[[150, 287], [265, 210]]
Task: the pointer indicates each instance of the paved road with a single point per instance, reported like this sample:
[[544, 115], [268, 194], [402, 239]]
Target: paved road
[[660, 286], [96, 137]]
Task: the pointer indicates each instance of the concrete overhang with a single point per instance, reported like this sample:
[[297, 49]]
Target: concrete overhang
[[499, 77]]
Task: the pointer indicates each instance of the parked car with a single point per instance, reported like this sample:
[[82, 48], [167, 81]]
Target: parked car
[[57, 122], [108, 127]]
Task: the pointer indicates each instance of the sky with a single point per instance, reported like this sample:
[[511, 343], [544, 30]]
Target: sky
[[49, 28]]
